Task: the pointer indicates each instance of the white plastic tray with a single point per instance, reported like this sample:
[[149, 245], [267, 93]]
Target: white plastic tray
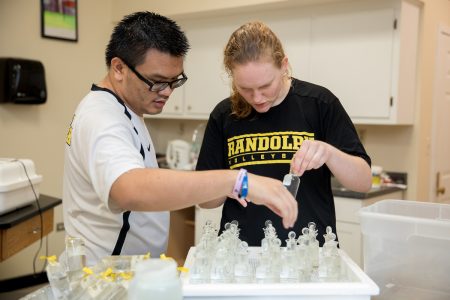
[[359, 286], [15, 189]]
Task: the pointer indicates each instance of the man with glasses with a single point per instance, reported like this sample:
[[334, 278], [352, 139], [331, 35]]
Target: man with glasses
[[114, 197]]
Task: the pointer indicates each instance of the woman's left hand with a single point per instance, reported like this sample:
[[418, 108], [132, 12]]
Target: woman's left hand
[[311, 155]]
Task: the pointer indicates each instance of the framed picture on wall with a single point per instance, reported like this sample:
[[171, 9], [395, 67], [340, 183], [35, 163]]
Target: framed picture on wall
[[59, 19]]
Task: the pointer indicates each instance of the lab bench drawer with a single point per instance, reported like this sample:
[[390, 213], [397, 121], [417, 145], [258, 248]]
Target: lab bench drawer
[[24, 234]]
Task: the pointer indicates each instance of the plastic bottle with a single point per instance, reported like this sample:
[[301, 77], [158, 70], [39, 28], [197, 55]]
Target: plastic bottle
[[155, 279], [376, 176]]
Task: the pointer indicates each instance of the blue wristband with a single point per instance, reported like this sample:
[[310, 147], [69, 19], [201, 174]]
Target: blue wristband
[[240, 189], [244, 187]]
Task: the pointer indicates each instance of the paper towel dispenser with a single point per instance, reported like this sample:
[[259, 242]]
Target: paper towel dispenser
[[22, 81]]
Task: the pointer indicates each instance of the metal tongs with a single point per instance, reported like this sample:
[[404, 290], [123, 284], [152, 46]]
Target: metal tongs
[[291, 182]]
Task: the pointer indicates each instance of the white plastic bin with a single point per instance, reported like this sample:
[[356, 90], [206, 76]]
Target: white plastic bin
[[15, 188], [407, 248]]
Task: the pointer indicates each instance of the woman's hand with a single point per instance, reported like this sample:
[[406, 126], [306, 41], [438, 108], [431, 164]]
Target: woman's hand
[[311, 155], [351, 171]]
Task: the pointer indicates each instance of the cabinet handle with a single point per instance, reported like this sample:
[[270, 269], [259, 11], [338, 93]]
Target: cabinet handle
[[189, 107], [176, 107], [439, 189], [35, 230]]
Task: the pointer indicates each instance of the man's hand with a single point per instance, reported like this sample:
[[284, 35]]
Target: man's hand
[[272, 193]]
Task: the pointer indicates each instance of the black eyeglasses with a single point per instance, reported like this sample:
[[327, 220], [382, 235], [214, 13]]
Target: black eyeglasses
[[157, 86]]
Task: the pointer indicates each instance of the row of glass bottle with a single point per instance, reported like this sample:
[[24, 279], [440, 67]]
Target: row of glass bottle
[[227, 259]]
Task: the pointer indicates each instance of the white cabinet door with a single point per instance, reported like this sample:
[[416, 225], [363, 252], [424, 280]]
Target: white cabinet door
[[366, 54], [174, 106], [351, 55], [293, 29], [350, 240], [207, 84]]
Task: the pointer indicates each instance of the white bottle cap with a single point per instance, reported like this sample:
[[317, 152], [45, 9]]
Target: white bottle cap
[[376, 170]]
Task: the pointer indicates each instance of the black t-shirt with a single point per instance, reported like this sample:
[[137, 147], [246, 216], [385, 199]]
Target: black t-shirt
[[264, 145]]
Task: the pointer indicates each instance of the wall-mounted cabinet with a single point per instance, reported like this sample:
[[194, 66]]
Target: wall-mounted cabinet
[[365, 52], [207, 80]]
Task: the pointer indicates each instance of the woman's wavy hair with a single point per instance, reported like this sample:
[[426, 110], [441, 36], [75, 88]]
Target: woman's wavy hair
[[250, 42]]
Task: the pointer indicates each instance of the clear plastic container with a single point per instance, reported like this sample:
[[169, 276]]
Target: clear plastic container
[[155, 279], [406, 248]]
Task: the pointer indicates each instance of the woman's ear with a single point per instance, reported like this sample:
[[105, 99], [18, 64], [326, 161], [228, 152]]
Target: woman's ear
[[285, 65]]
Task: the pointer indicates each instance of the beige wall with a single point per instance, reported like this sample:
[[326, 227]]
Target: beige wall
[[38, 131], [436, 13]]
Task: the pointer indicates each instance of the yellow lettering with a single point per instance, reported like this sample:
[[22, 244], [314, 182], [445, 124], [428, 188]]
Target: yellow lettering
[[251, 144], [239, 146], [69, 136], [283, 155], [230, 149], [262, 156], [263, 143], [273, 155], [275, 143], [286, 144], [297, 141]]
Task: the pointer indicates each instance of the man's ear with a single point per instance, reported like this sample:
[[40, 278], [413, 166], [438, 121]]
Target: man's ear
[[118, 69]]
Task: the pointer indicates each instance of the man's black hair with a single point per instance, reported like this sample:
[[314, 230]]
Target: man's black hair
[[141, 31]]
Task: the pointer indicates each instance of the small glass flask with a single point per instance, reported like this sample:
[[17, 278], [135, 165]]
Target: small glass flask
[[75, 253]]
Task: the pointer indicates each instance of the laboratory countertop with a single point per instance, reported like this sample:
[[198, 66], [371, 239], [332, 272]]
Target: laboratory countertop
[[374, 192], [16, 216], [399, 181]]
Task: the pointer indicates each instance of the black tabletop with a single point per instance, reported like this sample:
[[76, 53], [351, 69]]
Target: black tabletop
[[21, 214], [374, 192]]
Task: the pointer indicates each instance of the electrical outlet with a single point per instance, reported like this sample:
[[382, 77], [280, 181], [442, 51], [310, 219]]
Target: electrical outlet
[[60, 226]]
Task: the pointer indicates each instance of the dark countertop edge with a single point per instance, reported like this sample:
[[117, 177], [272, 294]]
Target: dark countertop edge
[[21, 214], [374, 192]]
